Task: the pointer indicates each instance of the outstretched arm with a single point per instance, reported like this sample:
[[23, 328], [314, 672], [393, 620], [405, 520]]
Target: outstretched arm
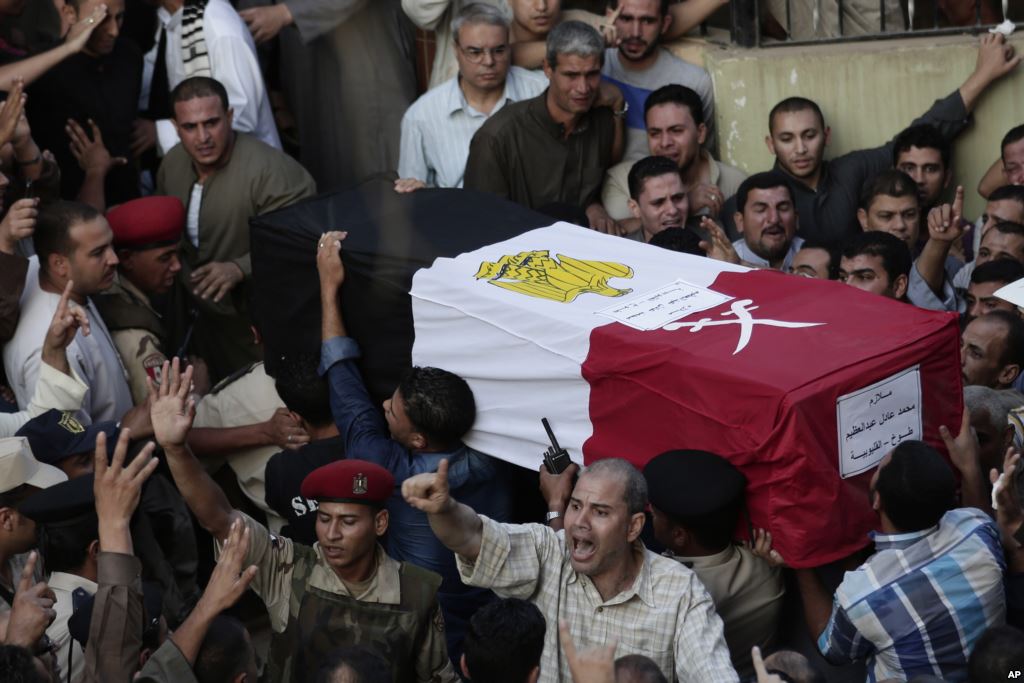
[[172, 414], [456, 525], [32, 68], [996, 58], [688, 15], [945, 226], [332, 277]]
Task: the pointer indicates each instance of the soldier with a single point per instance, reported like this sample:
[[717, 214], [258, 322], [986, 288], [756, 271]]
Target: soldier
[[147, 235], [345, 590]]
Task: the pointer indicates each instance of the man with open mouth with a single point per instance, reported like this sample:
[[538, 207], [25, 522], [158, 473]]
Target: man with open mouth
[[595, 574]]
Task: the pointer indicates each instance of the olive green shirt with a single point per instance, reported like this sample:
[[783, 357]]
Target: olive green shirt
[[275, 558], [522, 154]]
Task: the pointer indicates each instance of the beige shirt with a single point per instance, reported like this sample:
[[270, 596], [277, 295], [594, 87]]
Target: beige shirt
[[141, 351], [747, 593], [63, 586], [249, 399], [615, 193], [274, 556], [666, 614]]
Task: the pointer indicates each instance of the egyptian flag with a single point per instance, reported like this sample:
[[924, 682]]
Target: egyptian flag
[[630, 350]]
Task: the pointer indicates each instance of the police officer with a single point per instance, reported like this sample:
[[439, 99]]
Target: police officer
[[696, 499], [345, 590], [147, 237]]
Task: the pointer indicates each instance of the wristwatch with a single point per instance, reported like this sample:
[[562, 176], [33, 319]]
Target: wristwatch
[[552, 514], [621, 113]]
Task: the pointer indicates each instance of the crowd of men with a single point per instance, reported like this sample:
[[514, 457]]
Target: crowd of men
[[172, 511]]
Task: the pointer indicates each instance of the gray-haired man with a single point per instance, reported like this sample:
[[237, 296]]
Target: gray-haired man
[[550, 152], [438, 127]]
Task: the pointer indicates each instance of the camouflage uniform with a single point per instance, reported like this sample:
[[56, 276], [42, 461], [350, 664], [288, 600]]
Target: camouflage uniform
[[313, 612], [137, 332]]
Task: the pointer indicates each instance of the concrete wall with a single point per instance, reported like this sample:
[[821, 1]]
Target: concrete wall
[[868, 92]]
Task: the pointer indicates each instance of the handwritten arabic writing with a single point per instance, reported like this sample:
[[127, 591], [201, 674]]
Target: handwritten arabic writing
[[652, 310], [874, 420]]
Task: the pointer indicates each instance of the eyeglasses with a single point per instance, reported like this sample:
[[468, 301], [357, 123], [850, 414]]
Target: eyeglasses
[[475, 55]]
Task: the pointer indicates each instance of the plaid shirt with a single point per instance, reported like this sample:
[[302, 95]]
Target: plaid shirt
[[918, 604], [666, 614]]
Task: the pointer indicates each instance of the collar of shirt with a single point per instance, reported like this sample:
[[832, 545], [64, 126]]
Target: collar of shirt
[[702, 561], [167, 20], [801, 185], [62, 581], [456, 100], [385, 586], [538, 109], [748, 255], [641, 587], [133, 292], [899, 541]]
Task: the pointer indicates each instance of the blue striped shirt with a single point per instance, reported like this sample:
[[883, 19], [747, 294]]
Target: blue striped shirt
[[438, 127], [918, 605]]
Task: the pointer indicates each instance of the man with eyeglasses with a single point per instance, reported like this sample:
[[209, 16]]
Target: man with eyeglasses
[[438, 127]]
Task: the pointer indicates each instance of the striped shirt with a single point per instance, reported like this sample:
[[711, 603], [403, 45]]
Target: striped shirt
[[438, 127], [666, 614], [918, 605]]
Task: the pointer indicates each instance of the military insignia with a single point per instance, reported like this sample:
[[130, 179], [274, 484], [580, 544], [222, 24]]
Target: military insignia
[[359, 484], [562, 279], [68, 422]]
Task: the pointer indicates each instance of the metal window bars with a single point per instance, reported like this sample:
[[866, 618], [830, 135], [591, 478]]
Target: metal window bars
[[746, 15]]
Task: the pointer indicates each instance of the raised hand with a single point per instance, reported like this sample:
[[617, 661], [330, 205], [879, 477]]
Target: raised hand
[[32, 610], [328, 260], [67, 320], [761, 545], [1005, 499], [118, 487], [89, 151], [11, 111], [18, 224], [718, 247], [590, 666], [429, 491], [964, 449], [229, 580], [945, 222], [706, 196], [996, 57], [266, 22], [173, 410], [80, 33], [557, 488]]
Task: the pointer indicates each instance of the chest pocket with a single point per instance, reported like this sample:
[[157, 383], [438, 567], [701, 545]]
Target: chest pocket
[[327, 621]]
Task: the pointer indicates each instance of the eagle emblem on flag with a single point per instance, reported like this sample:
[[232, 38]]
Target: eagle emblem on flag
[[561, 279]]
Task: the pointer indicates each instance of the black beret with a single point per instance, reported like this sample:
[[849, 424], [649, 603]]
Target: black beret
[[688, 484]]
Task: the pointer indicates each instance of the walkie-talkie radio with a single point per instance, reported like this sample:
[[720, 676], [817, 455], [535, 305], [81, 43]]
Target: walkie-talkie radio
[[556, 458]]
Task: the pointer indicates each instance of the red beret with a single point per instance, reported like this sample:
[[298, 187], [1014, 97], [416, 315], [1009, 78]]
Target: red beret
[[349, 481], [147, 222]]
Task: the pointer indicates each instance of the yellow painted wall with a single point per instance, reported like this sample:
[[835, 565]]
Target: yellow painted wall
[[868, 92]]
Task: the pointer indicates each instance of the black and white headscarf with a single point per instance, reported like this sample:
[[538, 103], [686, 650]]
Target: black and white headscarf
[[193, 45]]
